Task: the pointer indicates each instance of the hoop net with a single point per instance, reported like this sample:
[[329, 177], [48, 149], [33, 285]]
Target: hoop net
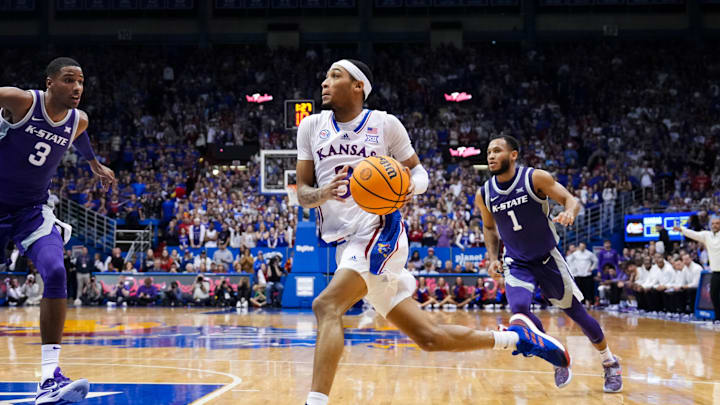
[[292, 194]]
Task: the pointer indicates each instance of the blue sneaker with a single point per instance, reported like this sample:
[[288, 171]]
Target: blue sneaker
[[563, 375], [61, 390], [535, 343]]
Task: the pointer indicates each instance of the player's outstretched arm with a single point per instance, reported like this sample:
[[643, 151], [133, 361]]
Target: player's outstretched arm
[[492, 238], [82, 144], [310, 196], [16, 101], [545, 185]]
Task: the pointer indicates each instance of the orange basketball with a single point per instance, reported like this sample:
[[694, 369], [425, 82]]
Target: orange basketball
[[379, 185]]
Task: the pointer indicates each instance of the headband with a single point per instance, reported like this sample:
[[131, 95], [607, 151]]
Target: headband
[[356, 73]]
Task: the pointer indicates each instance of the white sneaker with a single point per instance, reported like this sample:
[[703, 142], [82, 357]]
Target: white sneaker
[[61, 390], [77, 302]]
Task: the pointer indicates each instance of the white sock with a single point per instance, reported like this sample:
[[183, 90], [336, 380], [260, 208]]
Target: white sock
[[50, 360], [505, 340], [316, 398], [607, 355]]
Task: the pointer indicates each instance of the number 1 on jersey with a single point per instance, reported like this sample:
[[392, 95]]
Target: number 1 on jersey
[[516, 225]]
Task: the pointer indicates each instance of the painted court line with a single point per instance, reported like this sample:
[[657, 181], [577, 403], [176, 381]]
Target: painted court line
[[204, 400], [411, 366]]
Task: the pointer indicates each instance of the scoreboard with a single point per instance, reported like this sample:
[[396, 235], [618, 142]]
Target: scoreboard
[[641, 227], [296, 111]]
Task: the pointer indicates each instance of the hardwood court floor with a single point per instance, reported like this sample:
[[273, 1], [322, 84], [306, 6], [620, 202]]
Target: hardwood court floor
[[180, 355]]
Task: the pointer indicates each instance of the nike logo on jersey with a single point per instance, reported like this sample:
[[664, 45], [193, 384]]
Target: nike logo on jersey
[[509, 204], [37, 119], [494, 198], [546, 260]]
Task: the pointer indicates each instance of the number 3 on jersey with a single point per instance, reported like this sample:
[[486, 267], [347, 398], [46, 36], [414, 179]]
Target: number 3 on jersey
[[516, 224], [38, 158]]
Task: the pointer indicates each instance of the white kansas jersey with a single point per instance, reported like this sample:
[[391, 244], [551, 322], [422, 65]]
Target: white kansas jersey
[[332, 145]]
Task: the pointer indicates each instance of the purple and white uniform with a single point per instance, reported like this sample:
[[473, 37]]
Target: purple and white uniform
[[30, 152], [530, 239]]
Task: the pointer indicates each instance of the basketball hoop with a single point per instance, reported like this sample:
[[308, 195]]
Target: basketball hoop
[[292, 194]]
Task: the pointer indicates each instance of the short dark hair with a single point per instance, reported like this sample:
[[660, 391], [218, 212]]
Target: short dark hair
[[57, 64], [511, 141], [363, 68]]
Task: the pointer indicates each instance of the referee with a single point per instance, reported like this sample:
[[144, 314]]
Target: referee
[[711, 240]]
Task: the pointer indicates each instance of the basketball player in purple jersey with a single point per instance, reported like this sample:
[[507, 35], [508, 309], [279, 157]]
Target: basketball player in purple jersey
[[36, 129], [516, 200]]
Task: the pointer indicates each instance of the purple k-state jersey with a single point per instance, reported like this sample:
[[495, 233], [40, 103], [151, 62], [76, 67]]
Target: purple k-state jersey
[[522, 218], [30, 152]]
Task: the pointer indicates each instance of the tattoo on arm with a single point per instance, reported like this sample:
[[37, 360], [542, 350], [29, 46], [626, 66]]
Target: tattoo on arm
[[309, 197]]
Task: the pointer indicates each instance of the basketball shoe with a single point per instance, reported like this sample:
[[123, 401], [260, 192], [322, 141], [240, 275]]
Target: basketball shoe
[[61, 390], [563, 375], [613, 376], [535, 343]]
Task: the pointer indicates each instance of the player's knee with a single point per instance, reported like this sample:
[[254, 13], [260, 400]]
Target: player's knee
[[324, 307], [55, 282]]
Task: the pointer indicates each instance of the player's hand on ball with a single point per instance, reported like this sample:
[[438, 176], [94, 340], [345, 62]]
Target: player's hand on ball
[[337, 187], [411, 188], [565, 218], [495, 268]]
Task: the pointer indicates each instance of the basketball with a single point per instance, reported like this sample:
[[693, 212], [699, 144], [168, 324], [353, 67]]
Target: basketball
[[379, 185]]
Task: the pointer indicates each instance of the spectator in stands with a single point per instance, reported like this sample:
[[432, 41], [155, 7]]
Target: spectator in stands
[[259, 261], [99, 264], [129, 268], [415, 235], [211, 236], [275, 287], [224, 294], [582, 262], [92, 293], [201, 291], [469, 267], [202, 262], [609, 195], [150, 263], [31, 290], [416, 261], [448, 267], [246, 261], [187, 258], [197, 234], [165, 261], [119, 293], [146, 294], [608, 255], [223, 256], [14, 292], [444, 233], [84, 266], [434, 261], [115, 262]]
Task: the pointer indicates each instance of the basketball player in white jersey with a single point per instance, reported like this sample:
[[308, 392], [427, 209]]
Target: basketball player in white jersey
[[371, 249]]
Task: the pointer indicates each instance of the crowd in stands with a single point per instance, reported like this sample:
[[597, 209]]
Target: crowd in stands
[[605, 118]]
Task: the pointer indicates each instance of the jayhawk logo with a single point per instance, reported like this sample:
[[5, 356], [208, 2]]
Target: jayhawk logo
[[384, 249]]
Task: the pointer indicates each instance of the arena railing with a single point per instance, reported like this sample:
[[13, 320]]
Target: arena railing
[[93, 229]]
